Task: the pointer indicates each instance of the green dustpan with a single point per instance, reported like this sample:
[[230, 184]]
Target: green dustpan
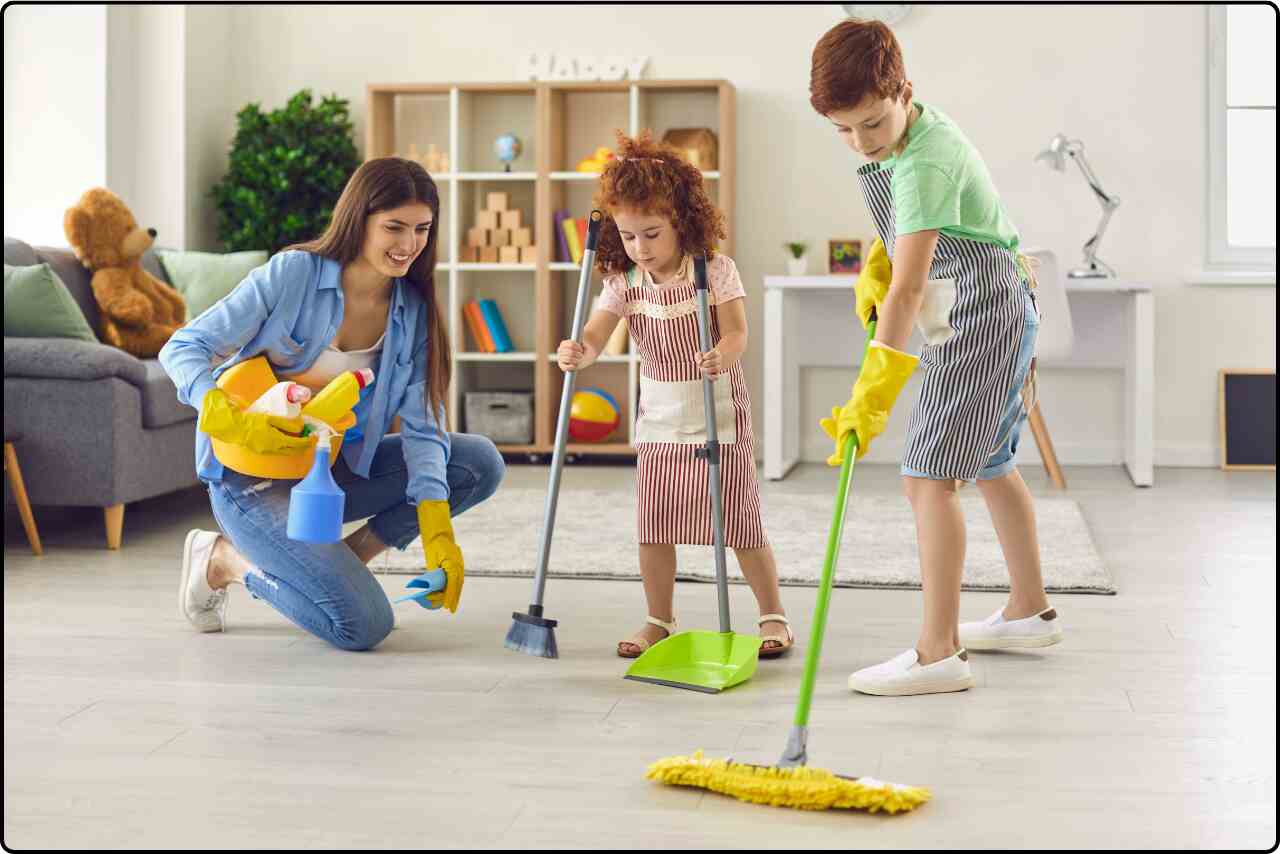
[[700, 661], [704, 661]]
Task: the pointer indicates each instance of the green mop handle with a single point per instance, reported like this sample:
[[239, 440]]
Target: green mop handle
[[829, 566]]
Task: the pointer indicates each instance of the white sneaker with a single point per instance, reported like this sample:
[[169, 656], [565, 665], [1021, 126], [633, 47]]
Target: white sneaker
[[995, 632], [903, 675], [203, 606]]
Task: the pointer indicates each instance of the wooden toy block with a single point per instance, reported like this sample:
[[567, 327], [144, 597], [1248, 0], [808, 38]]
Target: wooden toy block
[[528, 254], [488, 254], [478, 236], [500, 237], [522, 237], [489, 220], [509, 254], [509, 219], [469, 254], [496, 202]]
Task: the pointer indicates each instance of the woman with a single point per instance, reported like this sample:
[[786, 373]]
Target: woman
[[361, 296]]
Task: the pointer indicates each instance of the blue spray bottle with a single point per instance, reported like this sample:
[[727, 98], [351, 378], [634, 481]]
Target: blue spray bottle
[[316, 503]]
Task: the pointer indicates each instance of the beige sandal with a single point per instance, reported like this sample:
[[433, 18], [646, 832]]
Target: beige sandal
[[787, 641], [641, 643]]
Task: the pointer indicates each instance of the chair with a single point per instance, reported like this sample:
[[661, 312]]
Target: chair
[[1054, 342]]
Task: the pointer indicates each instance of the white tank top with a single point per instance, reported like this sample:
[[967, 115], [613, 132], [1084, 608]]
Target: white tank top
[[333, 362]]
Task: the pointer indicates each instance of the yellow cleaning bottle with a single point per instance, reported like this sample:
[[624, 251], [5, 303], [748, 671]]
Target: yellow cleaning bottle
[[338, 398]]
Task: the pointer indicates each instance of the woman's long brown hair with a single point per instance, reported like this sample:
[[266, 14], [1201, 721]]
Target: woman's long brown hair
[[379, 185]]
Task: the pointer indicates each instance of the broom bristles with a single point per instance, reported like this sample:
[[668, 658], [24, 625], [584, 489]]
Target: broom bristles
[[532, 639], [799, 788]]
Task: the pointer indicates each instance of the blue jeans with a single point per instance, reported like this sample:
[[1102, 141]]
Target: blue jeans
[[1000, 463], [324, 587]]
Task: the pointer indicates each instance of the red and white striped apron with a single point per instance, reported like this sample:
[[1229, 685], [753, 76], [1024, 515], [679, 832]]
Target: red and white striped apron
[[673, 499]]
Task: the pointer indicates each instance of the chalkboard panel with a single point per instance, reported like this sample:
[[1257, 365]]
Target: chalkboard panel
[[1247, 403]]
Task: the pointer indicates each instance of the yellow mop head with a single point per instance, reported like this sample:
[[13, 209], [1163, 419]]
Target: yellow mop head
[[800, 787]]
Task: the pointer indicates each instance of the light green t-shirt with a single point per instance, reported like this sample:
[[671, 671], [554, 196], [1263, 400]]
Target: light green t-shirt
[[940, 182]]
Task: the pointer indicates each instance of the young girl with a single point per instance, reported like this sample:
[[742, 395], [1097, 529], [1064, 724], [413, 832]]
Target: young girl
[[957, 270], [658, 216], [361, 296]]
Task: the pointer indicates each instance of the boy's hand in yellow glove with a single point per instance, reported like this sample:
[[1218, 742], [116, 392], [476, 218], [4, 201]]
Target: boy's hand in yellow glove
[[263, 434], [873, 282], [884, 372], [441, 551]]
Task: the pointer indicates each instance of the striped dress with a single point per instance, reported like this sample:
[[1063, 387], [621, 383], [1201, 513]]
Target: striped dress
[[972, 320], [674, 503]]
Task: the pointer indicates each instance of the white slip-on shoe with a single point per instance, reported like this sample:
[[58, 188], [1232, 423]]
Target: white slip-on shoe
[[204, 607], [903, 675], [995, 632]]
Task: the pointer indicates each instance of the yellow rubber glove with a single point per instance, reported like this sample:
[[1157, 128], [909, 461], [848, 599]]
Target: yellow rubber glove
[[873, 282], [442, 552], [883, 375], [263, 434]]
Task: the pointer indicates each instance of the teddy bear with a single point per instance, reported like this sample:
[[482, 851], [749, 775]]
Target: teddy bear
[[139, 312]]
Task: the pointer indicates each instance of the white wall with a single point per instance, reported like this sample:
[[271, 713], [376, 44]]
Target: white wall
[[1129, 80], [210, 120], [54, 76]]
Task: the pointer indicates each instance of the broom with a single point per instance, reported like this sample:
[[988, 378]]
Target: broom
[[790, 783], [531, 632]]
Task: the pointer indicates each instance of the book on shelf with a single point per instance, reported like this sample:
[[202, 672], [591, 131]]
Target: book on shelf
[[581, 224], [562, 245], [479, 330], [497, 328], [570, 230]]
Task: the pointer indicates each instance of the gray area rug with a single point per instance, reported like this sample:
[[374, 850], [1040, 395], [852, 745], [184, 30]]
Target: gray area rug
[[595, 538]]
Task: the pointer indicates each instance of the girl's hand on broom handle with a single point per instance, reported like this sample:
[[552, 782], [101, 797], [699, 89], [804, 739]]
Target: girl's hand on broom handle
[[711, 363], [572, 356]]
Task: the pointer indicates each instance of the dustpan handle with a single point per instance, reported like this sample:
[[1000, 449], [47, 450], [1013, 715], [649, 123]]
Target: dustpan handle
[[711, 451], [834, 537]]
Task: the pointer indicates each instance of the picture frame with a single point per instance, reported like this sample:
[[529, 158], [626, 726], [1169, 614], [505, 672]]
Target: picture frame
[[1247, 420], [844, 256]]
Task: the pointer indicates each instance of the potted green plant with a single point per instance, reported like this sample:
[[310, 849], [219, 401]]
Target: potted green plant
[[798, 262], [287, 169]]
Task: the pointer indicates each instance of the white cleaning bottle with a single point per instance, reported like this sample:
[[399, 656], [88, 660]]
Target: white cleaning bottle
[[283, 400]]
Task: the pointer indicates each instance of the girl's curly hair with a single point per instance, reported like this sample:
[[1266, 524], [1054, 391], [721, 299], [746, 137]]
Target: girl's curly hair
[[654, 178]]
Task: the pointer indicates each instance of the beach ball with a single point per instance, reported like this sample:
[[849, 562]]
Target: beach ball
[[593, 415]]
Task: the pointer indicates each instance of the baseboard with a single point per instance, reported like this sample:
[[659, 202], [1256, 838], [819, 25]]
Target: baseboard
[[1187, 455]]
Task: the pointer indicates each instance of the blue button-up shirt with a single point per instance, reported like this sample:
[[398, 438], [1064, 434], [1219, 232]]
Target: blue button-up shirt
[[289, 309]]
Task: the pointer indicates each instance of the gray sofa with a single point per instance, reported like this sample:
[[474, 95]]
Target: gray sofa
[[98, 427]]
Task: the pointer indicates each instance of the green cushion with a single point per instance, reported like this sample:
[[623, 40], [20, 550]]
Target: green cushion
[[38, 305], [203, 278]]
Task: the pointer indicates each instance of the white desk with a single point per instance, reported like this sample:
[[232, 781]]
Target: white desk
[[810, 321]]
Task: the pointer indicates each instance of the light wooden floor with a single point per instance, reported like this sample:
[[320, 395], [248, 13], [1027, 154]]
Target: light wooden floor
[[1153, 725]]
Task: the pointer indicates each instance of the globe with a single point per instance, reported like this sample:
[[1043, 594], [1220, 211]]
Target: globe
[[508, 148]]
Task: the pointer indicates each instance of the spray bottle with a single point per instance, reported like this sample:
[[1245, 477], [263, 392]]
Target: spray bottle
[[317, 503], [284, 400]]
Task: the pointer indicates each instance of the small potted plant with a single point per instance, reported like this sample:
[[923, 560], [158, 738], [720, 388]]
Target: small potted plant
[[798, 263]]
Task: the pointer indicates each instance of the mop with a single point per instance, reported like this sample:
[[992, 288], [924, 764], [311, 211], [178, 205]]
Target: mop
[[531, 632], [790, 783]]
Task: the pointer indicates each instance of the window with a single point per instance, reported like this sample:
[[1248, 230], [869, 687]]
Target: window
[[1242, 137]]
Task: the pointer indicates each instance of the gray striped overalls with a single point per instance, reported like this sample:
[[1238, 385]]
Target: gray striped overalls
[[974, 331]]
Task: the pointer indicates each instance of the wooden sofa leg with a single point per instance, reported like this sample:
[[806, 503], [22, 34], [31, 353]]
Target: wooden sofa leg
[[114, 517], [20, 497]]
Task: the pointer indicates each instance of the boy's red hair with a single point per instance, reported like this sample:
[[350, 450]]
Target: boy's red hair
[[853, 60], [654, 178]]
